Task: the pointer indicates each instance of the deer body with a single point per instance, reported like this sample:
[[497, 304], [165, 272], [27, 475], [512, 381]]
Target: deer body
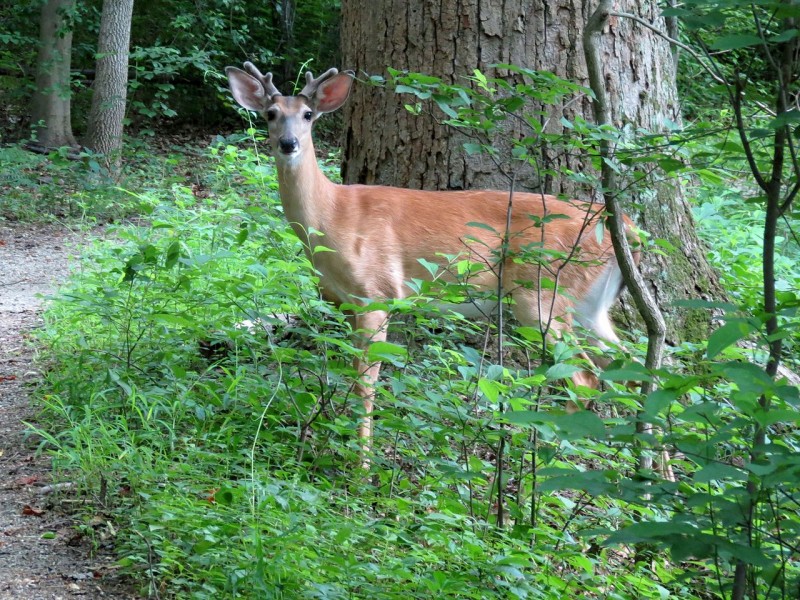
[[378, 234]]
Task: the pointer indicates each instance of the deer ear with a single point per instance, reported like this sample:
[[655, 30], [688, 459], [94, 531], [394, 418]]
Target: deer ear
[[246, 89], [332, 93]]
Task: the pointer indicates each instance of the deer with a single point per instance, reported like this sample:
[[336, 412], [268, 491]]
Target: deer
[[378, 239]]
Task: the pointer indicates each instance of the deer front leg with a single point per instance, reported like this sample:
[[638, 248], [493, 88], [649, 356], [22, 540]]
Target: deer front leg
[[368, 327]]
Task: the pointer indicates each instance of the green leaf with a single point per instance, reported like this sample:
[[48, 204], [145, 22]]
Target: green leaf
[[431, 267], [736, 41], [727, 335], [491, 389], [481, 226], [173, 254], [749, 378], [472, 148], [659, 400], [527, 417], [530, 334], [631, 372], [710, 176], [670, 165], [445, 107], [561, 371], [405, 89], [784, 36], [393, 353], [224, 496], [582, 424], [719, 472], [169, 319], [599, 232]]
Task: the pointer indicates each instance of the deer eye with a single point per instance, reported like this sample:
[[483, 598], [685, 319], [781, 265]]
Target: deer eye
[[271, 114], [308, 115]]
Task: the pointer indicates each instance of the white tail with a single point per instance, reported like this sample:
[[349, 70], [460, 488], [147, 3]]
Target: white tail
[[379, 234]]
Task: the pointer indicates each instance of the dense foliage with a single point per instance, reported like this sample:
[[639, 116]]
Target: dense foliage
[[176, 48], [231, 450], [201, 395]]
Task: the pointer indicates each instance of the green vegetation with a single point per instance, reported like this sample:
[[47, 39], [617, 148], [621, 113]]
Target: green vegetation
[[227, 456], [176, 47], [200, 392], [38, 188]]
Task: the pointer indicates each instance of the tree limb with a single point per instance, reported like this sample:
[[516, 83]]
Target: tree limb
[[643, 299]]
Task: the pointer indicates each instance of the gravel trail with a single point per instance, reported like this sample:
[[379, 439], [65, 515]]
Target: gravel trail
[[42, 555]]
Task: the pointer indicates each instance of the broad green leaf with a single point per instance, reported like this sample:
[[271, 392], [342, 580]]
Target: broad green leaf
[[749, 378], [527, 417], [710, 176], [405, 89], [727, 335], [490, 388], [670, 165], [531, 334], [659, 400], [648, 531], [169, 319], [561, 371], [784, 36], [173, 254], [719, 472], [472, 148], [393, 353], [736, 41], [630, 372], [582, 424], [431, 267]]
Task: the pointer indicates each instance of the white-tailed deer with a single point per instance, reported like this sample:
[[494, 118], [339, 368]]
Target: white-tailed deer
[[378, 235]]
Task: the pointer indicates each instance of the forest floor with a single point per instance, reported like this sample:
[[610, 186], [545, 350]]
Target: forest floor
[[42, 554]]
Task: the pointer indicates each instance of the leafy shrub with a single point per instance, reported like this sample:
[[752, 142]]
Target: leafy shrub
[[228, 457]]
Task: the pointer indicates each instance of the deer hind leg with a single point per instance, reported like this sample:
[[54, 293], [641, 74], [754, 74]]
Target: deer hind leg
[[368, 327]]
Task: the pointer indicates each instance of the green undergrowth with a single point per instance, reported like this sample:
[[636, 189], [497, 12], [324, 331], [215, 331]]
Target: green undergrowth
[[67, 186], [732, 226], [201, 394]]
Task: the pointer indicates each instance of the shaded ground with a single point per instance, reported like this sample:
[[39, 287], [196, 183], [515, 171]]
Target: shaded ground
[[42, 555]]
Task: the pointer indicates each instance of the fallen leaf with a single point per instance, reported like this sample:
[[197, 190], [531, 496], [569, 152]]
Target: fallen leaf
[[29, 511], [30, 480]]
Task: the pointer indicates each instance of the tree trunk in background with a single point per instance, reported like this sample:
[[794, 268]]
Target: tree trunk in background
[[107, 115], [287, 11], [388, 145], [50, 105]]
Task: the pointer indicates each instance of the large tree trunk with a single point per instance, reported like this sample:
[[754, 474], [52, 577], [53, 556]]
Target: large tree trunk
[[387, 144], [106, 117], [50, 106]]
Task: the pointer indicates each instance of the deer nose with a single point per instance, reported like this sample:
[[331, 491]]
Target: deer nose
[[288, 145]]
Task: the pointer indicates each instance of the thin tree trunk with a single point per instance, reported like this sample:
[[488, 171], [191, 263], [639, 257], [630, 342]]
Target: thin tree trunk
[[50, 106], [106, 117], [287, 11]]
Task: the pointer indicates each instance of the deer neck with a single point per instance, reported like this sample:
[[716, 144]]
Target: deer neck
[[307, 195]]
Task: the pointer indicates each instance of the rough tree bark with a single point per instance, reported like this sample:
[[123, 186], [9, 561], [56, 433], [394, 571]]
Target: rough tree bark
[[106, 117], [50, 105], [386, 144]]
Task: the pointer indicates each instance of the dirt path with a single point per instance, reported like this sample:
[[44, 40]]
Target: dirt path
[[42, 556]]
